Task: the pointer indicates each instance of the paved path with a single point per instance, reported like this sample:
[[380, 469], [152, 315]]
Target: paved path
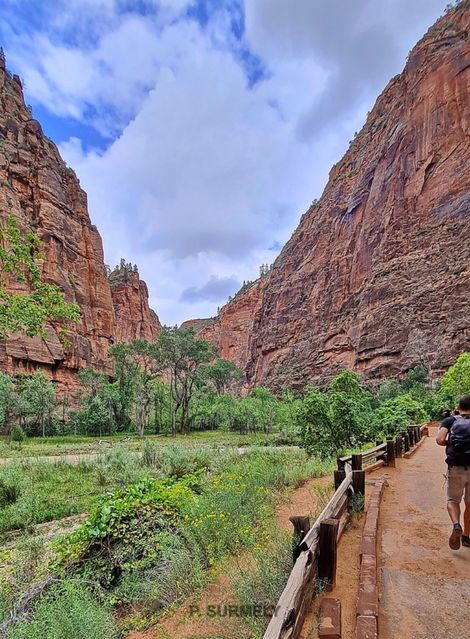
[[425, 586]]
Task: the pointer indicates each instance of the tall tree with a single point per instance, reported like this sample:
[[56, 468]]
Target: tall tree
[[184, 357]]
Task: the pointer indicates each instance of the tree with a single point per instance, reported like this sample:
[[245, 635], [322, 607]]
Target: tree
[[314, 422], [99, 404], [397, 414], [222, 373], [149, 363], [184, 357], [125, 371], [456, 380], [37, 395], [350, 409], [28, 312]]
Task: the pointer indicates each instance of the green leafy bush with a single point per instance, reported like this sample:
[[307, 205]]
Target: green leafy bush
[[17, 435], [397, 414]]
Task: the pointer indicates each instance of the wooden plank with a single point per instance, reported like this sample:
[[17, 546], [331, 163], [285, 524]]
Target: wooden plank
[[328, 552], [330, 511], [373, 452], [343, 522], [359, 483], [289, 615]]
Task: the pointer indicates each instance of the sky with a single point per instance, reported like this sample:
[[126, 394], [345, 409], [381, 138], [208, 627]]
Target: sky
[[203, 129]]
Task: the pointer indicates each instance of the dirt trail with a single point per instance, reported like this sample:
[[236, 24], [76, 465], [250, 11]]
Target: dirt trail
[[425, 586]]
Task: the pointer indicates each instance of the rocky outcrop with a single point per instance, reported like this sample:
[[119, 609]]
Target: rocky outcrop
[[376, 276], [198, 324], [134, 319], [39, 190]]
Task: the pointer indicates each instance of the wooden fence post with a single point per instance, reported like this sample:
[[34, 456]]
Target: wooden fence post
[[357, 462], [412, 435], [301, 527], [418, 434], [390, 453], [406, 440], [359, 484], [399, 446], [339, 476], [328, 552]]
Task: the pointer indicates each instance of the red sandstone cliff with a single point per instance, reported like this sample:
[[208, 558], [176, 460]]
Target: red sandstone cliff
[[39, 190], [133, 317], [376, 276]]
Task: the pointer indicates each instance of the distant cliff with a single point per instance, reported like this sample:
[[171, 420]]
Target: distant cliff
[[133, 317], [377, 275], [43, 194]]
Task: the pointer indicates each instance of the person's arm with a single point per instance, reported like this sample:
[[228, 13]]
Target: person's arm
[[442, 433]]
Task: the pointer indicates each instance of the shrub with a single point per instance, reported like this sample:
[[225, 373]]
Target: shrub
[[397, 414], [17, 434], [67, 610]]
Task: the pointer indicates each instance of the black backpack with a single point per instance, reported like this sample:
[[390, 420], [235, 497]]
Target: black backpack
[[459, 436]]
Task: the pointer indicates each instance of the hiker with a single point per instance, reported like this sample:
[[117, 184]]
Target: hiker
[[454, 433]]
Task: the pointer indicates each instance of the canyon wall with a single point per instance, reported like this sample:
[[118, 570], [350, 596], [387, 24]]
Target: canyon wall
[[376, 277], [42, 193]]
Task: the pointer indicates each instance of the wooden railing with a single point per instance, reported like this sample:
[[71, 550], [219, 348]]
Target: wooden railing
[[315, 552]]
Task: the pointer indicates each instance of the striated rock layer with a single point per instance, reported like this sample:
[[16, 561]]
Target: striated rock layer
[[134, 318], [377, 275], [39, 190]]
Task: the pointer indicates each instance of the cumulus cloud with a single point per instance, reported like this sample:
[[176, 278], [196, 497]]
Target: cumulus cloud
[[223, 119], [217, 289]]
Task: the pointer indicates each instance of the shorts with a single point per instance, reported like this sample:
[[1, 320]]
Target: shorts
[[458, 484]]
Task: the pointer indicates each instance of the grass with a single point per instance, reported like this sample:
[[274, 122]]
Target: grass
[[76, 445], [164, 558], [67, 610]]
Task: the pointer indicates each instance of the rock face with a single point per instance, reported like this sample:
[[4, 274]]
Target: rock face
[[133, 317], [376, 277], [39, 190]]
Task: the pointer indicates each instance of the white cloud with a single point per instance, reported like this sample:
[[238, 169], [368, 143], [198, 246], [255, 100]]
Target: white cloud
[[205, 171]]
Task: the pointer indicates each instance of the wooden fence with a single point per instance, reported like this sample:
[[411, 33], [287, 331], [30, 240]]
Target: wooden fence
[[315, 553]]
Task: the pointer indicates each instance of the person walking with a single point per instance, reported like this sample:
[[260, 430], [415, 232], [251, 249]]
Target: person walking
[[454, 434]]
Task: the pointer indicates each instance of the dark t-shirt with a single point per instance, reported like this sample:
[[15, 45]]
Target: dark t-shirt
[[454, 459]]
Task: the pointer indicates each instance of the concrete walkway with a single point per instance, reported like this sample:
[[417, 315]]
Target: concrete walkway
[[425, 586]]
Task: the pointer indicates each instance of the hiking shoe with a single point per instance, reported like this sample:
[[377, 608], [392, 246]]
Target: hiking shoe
[[466, 540], [454, 539]]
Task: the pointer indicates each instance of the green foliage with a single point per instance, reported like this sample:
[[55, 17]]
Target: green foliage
[[111, 518], [98, 413], [28, 312], [17, 434], [222, 373], [456, 380], [69, 611], [336, 419], [350, 410], [11, 485], [396, 414], [37, 401], [263, 582]]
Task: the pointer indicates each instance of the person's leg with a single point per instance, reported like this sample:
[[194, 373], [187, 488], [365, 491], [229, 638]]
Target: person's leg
[[466, 520], [454, 512], [455, 492]]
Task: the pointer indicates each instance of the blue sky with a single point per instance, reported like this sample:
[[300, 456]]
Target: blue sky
[[202, 130]]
